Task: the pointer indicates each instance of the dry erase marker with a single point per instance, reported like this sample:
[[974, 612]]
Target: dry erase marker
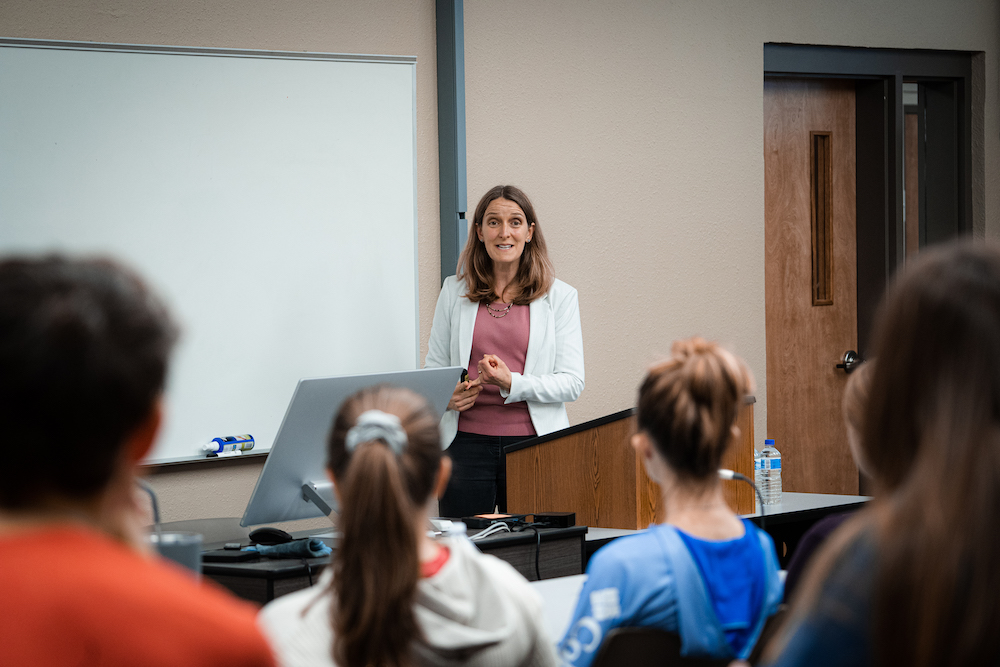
[[229, 443]]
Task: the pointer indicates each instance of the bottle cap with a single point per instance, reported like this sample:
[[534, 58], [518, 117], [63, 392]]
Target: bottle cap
[[768, 442]]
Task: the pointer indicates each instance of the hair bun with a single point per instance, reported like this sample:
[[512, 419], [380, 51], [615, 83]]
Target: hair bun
[[689, 403]]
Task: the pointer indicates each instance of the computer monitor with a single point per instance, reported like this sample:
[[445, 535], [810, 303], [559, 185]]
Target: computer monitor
[[294, 483]]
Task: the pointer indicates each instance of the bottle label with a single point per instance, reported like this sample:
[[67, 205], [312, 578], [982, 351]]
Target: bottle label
[[232, 443], [772, 464]]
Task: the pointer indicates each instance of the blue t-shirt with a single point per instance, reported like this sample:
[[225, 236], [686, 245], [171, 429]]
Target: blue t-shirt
[[733, 573], [633, 581]]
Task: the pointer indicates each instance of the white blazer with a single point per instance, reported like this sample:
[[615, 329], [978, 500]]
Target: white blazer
[[553, 365]]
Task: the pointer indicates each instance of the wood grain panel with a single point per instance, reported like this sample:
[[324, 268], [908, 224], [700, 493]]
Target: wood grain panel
[[740, 495], [805, 342], [596, 474], [522, 486], [591, 473], [649, 508]]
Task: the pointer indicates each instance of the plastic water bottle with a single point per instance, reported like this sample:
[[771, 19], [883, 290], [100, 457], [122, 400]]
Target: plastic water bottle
[[770, 459], [758, 477]]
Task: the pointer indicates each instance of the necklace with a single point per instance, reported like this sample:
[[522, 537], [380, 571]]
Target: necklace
[[502, 311]]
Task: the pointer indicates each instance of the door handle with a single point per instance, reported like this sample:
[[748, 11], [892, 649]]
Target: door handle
[[850, 361]]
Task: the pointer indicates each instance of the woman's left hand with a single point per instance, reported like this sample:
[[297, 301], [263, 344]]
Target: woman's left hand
[[492, 370]]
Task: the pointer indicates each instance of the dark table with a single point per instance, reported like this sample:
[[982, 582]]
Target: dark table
[[785, 522], [788, 521], [560, 553]]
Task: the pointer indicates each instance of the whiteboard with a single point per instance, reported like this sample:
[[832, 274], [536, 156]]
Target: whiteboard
[[270, 198]]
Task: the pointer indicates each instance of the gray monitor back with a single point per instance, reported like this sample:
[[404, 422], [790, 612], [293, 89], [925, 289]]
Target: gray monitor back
[[298, 455]]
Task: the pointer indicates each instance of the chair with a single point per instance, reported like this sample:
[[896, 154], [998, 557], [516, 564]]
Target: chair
[[638, 647]]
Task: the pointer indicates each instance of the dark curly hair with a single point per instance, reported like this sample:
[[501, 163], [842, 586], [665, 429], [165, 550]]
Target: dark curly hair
[[83, 358]]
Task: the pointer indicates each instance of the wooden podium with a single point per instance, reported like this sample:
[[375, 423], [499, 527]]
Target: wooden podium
[[591, 469]]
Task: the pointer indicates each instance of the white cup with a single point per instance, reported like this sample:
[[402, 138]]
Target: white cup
[[180, 547]]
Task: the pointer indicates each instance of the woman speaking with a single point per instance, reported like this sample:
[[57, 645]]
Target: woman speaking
[[506, 318]]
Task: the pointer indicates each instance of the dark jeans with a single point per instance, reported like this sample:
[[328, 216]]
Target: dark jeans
[[478, 474]]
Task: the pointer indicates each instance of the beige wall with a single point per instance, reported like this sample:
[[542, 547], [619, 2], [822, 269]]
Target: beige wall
[[211, 491], [636, 128]]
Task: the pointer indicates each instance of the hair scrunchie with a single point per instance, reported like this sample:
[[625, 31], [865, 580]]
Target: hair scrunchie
[[377, 425]]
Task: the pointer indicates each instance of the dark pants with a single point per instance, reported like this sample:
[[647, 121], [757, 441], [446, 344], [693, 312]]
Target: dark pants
[[478, 474]]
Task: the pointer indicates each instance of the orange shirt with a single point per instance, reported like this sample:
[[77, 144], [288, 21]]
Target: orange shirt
[[72, 596]]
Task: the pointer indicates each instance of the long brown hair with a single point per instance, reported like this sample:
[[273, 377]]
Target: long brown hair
[[376, 567], [934, 415], [534, 272], [689, 403], [931, 434]]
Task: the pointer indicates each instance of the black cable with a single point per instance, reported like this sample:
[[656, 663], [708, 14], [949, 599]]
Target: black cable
[[538, 545], [538, 549], [746, 479]]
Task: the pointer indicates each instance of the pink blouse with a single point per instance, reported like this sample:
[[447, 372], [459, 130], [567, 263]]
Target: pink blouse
[[507, 338]]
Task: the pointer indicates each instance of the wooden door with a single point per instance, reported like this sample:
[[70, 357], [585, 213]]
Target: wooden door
[[810, 277]]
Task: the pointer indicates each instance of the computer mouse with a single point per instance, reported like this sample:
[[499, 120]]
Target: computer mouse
[[268, 535]]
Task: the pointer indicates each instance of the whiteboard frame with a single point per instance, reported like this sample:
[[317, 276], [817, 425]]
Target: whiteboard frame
[[67, 45]]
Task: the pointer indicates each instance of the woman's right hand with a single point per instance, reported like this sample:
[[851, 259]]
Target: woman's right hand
[[465, 395]]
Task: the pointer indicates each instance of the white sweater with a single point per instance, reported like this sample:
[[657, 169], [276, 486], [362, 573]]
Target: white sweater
[[476, 611]]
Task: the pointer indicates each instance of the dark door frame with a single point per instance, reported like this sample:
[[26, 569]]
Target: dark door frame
[[879, 75], [947, 208]]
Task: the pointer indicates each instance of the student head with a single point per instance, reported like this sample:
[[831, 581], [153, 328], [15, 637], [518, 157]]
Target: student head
[[934, 414], [386, 461], [688, 407], [83, 357], [886, 472], [476, 266]]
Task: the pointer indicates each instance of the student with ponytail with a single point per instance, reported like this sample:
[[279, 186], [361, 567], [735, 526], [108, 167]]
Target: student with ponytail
[[703, 574], [394, 597]]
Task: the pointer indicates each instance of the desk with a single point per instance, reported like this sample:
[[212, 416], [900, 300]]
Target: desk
[[266, 579], [561, 553], [806, 507], [785, 522], [788, 521], [559, 598], [564, 551]]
